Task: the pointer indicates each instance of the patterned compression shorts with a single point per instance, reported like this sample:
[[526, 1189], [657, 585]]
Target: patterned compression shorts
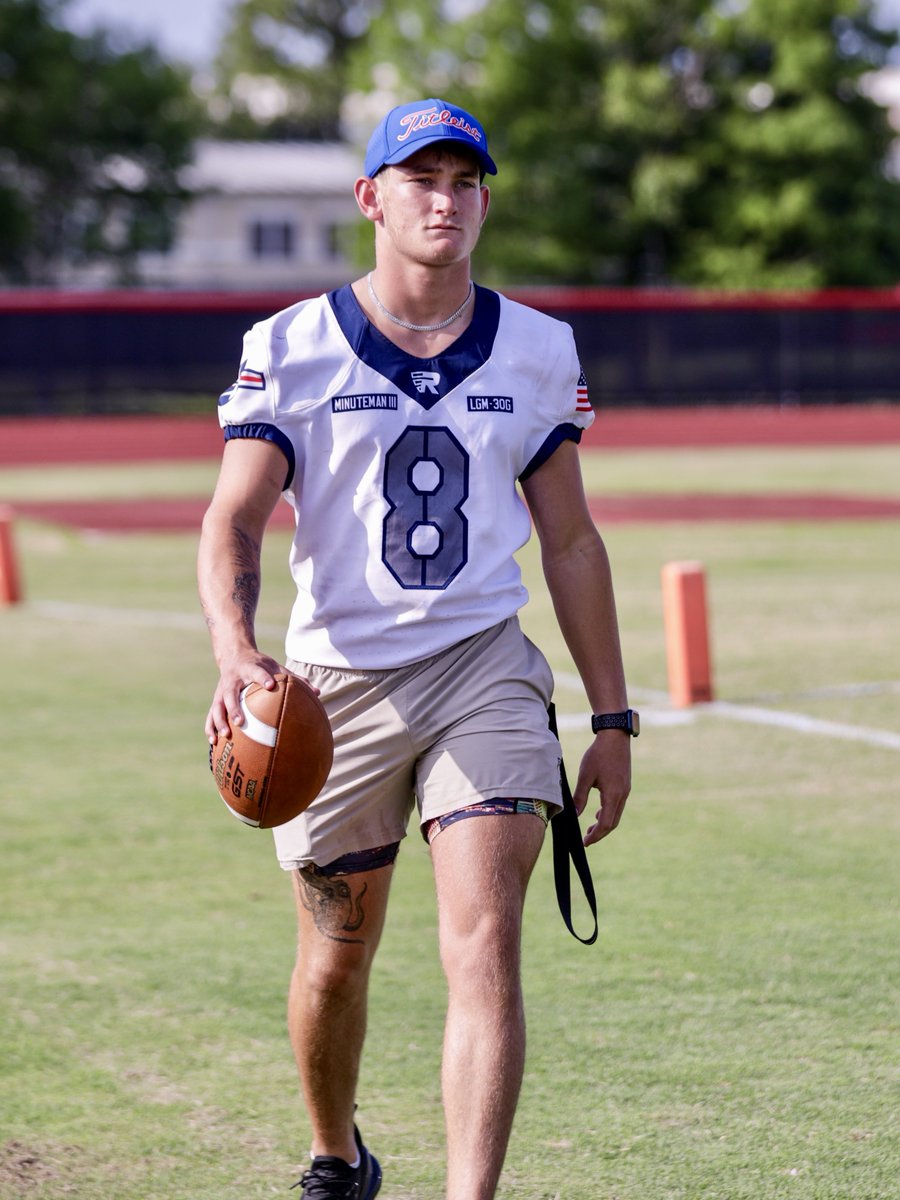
[[382, 856]]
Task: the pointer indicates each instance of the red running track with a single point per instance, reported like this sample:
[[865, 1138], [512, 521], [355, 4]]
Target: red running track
[[134, 439], [35, 440]]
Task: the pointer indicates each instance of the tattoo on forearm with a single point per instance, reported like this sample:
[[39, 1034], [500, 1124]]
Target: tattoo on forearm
[[335, 910], [245, 592]]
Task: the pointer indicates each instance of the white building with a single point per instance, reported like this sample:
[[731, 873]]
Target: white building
[[884, 88], [266, 215]]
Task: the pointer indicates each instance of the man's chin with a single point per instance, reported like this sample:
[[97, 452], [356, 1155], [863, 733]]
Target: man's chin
[[445, 254]]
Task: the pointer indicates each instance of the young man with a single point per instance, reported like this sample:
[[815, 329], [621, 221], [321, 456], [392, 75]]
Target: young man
[[396, 415]]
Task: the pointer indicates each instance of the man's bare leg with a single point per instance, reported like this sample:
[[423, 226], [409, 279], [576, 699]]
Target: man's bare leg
[[339, 921], [482, 866]]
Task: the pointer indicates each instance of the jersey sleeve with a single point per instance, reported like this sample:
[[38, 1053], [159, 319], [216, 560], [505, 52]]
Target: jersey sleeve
[[565, 385], [248, 409], [576, 403]]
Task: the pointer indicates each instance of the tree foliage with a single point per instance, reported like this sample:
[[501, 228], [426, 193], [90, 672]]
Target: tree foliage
[[91, 142], [707, 142], [281, 71], [727, 143]]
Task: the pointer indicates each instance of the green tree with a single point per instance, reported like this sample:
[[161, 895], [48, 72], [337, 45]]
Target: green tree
[[91, 144], [792, 151], [715, 142], [281, 70]]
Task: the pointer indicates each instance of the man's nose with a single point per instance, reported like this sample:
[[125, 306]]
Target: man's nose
[[445, 199]]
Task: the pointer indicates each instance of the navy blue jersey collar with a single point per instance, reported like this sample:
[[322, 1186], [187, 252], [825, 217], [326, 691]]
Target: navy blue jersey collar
[[425, 380]]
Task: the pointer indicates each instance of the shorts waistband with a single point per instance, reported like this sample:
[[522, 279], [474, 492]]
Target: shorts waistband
[[382, 673]]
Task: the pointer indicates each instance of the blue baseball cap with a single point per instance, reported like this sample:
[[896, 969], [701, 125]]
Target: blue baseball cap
[[410, 127]]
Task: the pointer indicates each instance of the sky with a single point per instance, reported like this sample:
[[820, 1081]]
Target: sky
[[189, 30], [184, 30]]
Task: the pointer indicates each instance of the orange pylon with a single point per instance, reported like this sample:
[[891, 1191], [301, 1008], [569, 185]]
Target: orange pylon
[[10, 588], [687, 633]]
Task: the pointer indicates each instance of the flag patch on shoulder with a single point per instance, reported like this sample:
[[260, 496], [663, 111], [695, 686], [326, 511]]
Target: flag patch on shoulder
[[582, 403], [248, 378]]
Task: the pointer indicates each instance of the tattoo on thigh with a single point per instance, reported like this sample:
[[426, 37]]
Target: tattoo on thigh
[[335, 910]]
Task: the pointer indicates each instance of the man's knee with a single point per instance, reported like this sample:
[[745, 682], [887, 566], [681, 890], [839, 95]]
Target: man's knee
[[481, 952], [482, 869], [332, 981], [482, 967]]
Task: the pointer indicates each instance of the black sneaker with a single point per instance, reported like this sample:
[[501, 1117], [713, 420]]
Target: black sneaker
[[332, 1179]]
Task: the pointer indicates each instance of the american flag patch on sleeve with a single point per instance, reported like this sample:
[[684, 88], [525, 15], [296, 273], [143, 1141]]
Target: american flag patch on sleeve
[[248, 378], [582, 403]]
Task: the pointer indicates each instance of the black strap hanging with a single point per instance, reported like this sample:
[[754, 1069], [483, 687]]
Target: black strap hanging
[[568, 845]]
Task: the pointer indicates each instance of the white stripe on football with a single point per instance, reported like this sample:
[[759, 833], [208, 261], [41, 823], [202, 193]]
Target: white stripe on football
[[256, 729]]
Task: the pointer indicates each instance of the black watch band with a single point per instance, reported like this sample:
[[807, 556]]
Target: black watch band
[[628, 720]]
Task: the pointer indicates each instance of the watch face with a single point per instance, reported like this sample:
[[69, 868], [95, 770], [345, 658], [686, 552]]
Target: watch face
[[635, 723]]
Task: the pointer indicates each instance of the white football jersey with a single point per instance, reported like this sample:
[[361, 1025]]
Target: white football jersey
[[402, 471]]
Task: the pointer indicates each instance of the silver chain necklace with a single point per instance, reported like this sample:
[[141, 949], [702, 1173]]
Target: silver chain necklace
[[408, 324]]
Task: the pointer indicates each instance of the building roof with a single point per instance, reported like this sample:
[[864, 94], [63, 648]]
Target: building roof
[[286, 168]]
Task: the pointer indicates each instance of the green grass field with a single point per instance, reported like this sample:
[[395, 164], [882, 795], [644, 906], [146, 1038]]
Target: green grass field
[[733, 1035]]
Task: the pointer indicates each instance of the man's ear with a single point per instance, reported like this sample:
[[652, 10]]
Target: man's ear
[[485, 202], [367, 198]]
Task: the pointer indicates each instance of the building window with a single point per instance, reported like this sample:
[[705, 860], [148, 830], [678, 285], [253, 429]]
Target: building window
[[272, 239], [333, 241]]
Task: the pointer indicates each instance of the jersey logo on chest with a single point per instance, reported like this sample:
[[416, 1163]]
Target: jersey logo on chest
[[426, 381]]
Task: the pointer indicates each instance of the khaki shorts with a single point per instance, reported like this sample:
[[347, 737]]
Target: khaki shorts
[[467, 725]]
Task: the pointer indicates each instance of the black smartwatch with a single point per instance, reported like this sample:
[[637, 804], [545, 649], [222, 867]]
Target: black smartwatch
[[629, 721]]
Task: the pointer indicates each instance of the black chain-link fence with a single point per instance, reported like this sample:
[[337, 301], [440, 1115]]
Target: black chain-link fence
[[137, 351]]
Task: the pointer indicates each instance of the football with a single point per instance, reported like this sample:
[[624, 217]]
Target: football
[[273, 766]]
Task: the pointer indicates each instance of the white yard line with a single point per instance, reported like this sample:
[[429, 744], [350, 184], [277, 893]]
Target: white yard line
[[147, 618], [751, 714], [654, 704], [798, 723], [98, 614]]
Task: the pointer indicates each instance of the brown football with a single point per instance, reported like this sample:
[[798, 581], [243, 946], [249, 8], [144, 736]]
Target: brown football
[[273, 766]]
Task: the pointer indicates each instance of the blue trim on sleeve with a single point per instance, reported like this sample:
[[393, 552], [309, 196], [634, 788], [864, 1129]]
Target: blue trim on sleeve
[[562, 433], [263, 432]]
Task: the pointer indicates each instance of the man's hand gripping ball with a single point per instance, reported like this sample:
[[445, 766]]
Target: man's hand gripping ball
[[272, 767]]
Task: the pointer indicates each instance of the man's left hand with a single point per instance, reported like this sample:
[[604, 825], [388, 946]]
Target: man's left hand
[[606, 766]]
